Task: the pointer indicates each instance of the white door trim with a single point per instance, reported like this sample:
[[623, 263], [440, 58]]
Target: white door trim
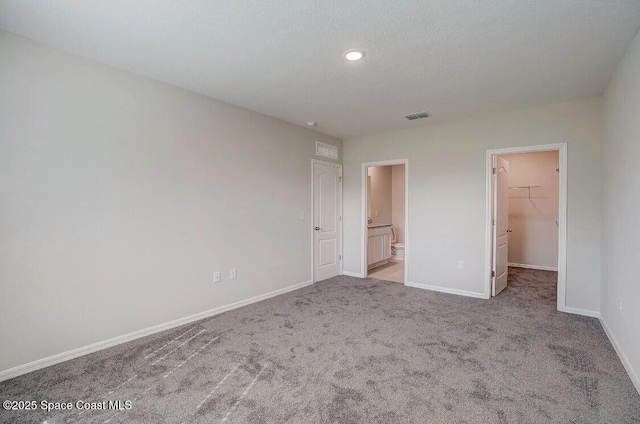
[[312, 216], [363, 226], [562, 215]]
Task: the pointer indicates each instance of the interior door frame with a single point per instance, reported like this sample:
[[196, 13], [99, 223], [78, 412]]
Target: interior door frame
[[313, 217], [363, 226], [561, 148]]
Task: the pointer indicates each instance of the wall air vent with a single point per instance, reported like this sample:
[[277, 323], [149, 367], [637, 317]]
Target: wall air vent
[[326, 150], [417, 115]]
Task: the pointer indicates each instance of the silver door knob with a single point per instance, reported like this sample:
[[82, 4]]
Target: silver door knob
[[317, 228], [509, 230]]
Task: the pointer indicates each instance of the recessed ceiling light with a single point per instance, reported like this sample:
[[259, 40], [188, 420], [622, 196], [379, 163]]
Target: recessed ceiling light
[[311, 123], [354, 54]]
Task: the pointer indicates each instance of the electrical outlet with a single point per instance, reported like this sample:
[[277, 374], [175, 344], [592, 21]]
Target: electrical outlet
[[301, 216], [620, 305], [216, 277], [460, 264], [233, 274]]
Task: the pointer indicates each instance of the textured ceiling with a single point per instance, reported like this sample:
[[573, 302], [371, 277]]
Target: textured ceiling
[[452, 58]]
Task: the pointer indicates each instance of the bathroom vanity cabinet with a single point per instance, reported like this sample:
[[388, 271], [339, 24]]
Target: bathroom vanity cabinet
[[378, 245]]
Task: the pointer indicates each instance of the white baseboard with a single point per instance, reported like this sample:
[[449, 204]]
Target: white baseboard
[[352, 274], [74, 353], [540, 267], [625, 362], [583, 312], [445, 290]]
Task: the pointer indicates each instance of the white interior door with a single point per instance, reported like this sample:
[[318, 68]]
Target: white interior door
[[326, 220], [501, 227]]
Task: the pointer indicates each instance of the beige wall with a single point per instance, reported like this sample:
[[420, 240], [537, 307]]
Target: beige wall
[[397, 201], [621, 228], [380, 194], [447, 189], [122, 195], [533, 213]]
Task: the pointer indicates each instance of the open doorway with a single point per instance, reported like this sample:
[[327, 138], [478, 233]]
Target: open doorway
[[526, 200], [533, 196], [385, 220]]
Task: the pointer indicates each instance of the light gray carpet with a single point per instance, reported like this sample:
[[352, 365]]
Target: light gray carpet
[[348, 350]]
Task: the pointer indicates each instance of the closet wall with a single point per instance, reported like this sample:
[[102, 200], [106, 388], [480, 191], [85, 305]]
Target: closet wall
[[533, 209]]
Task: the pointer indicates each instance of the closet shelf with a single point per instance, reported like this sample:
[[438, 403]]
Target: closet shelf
[[524, 187], [529, 187]]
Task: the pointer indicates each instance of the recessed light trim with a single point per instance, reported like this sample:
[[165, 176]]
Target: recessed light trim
[[311, 123], [353, 54]]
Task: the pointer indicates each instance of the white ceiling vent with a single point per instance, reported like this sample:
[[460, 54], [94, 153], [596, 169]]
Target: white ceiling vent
[[326, 150], [417, 115]]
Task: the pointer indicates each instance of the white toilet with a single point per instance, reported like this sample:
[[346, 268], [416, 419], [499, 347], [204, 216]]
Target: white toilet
[[397, 249]]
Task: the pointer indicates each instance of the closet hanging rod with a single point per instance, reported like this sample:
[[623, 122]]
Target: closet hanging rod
[[528, 188]]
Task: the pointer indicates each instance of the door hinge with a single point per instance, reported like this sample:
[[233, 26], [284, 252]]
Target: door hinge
[[493, 273], [493, 222], [495, 170], [340, 218], [340, 179], [340, 257]]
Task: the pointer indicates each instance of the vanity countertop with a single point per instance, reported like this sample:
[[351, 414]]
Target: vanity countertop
[[378, 225]]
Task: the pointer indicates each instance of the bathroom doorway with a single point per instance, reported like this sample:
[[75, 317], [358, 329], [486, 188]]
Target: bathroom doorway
[[385, 216]]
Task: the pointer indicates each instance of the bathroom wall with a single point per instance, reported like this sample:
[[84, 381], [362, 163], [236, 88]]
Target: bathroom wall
[[380, 194], [534, 240], [397, 200]]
